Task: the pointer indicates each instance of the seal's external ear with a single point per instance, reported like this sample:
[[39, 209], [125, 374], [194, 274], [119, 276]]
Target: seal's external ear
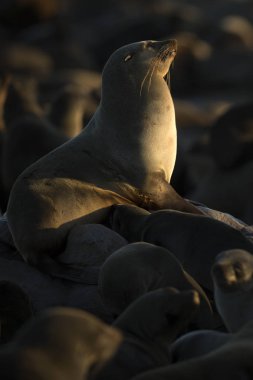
[[128, 57]]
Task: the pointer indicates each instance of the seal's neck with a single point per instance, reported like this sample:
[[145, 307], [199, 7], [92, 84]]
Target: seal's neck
[[140, 127]]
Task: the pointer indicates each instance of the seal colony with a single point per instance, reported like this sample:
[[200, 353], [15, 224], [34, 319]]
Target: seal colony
[[116, 174], [126, 154]]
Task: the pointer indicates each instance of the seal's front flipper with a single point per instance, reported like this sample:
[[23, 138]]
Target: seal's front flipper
[[85, 275]]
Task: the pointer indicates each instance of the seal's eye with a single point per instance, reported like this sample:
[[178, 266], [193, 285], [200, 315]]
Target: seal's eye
[[129, 56]]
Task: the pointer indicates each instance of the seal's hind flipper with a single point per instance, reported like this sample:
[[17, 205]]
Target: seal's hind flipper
[[85, 275]]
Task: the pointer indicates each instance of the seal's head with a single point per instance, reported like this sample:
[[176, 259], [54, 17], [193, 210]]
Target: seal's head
[[159, 315], [139, 64], [233, 270]]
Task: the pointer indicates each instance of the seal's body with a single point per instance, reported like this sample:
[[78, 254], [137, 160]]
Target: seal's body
[[126, 154]]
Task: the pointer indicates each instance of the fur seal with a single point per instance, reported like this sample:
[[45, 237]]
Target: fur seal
[[232, 274], [79, 181], [60, 343], [232, 361], [149, 267], [194, 239], [150, 324], [197, 343]]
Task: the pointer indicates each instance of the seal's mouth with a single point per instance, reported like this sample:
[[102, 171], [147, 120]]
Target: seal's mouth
[[168, 54], [166, 77], [161, 62], [168, 50]]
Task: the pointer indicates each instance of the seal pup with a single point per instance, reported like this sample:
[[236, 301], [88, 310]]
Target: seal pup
[[185, 235], [79, 181], [150, 324], [232, 275], [60, 343], [232, 361], [148, 267]]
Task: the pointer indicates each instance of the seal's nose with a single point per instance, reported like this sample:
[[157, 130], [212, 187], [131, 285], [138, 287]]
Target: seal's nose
[[224, 273], [170, 44]]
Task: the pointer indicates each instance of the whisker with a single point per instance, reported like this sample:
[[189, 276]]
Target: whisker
[[151, 75], [153, 65], [168, 79], [143, 81]]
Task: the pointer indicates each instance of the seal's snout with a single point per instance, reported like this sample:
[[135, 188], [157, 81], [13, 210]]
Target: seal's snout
[[167, 50], [170, 45], [232, 267], [224, 274]]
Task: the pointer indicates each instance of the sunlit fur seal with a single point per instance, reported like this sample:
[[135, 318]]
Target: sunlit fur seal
[[138, 268], [233, 287], [194, 239], [150, 324], [232, 361], [60, 343], [126, 154]]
